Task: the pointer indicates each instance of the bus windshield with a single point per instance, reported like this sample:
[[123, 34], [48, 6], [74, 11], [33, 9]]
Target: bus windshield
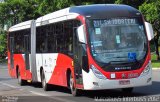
[[117, 40]]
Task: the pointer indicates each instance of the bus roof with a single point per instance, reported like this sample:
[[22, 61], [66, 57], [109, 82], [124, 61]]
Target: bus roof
[[56, 16], [105, 10], [20, 26], [92, 11]]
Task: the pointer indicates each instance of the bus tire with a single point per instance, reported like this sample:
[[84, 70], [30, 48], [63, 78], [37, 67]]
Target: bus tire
[[21, 82], [45, 86], [74, 90], [128, 90]]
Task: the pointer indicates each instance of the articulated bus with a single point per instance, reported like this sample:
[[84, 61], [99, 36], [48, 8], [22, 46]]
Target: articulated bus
[[92, 47]]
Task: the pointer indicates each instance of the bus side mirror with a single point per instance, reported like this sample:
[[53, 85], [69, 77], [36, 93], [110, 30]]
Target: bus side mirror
[[149, 31], [81, 34]]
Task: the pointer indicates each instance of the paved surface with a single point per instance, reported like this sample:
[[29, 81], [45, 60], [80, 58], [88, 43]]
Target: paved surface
[[10, 91]]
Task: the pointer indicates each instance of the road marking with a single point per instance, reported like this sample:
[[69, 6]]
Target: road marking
[[61, 99], [8, 85], [21, 89], [4, 68], [52, 97], [40, 94], [37, 93], [155, 68]]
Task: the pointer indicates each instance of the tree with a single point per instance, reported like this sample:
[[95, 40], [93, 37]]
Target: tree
[[133, 3], [13, 12], [48, 6], [150, 10], [3, 44], [17, 11]]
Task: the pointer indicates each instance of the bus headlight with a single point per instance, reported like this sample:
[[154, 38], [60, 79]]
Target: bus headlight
[[147, 69], [97, 73]]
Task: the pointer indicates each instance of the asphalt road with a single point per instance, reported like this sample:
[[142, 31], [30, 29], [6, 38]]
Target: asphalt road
[[10, 91]]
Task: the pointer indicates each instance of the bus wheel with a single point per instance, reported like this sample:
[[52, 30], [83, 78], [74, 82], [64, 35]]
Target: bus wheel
[[44, 84], [127, 90], [20, 80], [74, 91]]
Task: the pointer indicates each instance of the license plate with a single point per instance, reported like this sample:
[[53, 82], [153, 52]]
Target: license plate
[[124, 82]]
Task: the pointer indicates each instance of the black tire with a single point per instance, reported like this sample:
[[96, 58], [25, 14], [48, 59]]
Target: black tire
[[21, 82], [128, 90], [74, 91], [45, 86]]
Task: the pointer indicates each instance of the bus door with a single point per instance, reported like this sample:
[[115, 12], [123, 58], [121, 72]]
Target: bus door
[[26, 51], [11, 52], [77, 58]]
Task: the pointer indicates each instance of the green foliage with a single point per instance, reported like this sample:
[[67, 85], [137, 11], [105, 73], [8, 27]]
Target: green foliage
[[155, 62], [118, 1], [48, 6], [133, 3], [87, 3], [3, 43], [152, 46], [4, 11], [150, 11], [15, 11]]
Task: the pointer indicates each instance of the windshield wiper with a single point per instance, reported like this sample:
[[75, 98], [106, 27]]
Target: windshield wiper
[[119, 62], [115, 62]]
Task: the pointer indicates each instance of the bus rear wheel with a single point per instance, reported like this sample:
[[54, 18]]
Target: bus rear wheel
[[21, 82], [128, 90], [44, 84], [74, 90]]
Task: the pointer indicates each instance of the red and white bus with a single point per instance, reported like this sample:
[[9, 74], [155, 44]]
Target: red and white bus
[[91, 47]]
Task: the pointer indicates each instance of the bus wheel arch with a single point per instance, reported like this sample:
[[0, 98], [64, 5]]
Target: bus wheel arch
[[68, 77], [41, 69], [17, 70]]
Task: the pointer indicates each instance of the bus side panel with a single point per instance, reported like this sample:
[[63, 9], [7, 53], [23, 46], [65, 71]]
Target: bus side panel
[[19, 62], [39, 65], [10, 70], [59, 75], [48, 63]]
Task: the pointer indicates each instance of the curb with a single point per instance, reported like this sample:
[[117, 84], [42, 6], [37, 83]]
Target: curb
[[155, 68]]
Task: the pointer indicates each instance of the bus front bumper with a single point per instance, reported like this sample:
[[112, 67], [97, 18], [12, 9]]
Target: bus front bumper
[[91, 82]]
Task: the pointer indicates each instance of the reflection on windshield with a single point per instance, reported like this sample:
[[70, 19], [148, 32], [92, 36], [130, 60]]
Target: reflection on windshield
[[117, 40]]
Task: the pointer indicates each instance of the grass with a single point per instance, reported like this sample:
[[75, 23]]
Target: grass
[[155, 62]]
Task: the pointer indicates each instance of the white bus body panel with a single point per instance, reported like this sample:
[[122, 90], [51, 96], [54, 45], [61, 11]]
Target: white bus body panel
[[89, 78], [39, 64], [48, 62]]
